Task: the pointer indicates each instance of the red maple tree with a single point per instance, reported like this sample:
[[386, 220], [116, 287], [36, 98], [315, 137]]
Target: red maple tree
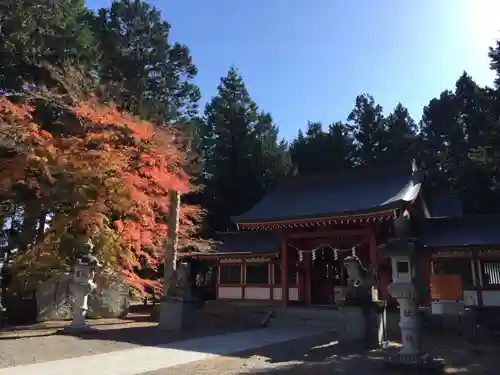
[[99, 173]]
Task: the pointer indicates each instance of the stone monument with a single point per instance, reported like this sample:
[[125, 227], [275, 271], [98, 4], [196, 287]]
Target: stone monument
[[405, 287], [84, 271]]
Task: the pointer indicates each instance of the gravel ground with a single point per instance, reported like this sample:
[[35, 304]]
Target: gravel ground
[[319, 355], [42, 343]]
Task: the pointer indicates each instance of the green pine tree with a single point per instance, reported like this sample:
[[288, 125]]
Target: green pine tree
[[241, 151], [142, 70], [37, 34], [367, 126]]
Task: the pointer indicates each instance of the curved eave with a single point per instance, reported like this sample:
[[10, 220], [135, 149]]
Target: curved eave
[[235, 254], [319, 221], [466, 246]]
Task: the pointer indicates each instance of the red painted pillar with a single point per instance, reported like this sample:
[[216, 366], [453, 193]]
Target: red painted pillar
[[372, 241], [284, 271], [308, 259], [426, 275], [243, 277], [270, 277]]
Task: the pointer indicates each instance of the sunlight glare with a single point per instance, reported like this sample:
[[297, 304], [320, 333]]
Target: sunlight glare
[[484, 25]]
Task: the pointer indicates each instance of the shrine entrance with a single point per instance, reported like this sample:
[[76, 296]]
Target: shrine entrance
[[328, 277], [325, 274], [319, 260]]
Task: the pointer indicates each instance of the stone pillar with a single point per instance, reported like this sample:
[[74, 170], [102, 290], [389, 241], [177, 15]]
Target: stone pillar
[[406, 296], [3, 310], [404, 253], [177, 306], [170, 261]]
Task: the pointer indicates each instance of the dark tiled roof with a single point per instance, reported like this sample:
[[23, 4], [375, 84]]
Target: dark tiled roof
[[444, 204], [478, 230], [247, 243], [363, 191]]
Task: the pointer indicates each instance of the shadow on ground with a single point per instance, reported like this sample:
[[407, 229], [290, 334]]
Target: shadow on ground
[[136, 329], [51, 328], [324, 355]]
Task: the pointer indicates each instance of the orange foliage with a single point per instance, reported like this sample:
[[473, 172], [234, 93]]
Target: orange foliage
[[106, 172]]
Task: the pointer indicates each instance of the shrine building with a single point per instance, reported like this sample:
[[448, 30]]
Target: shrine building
[[289, 248]]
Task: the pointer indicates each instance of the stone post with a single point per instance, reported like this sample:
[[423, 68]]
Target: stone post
[[82, 285], [170, 261], [404, 288], [3, 284], [3, 310], [177, 306], [408, 321]]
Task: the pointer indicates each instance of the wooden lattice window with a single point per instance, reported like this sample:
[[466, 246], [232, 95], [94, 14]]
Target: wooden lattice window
[[491, 273], [257, 274], [230, 274]]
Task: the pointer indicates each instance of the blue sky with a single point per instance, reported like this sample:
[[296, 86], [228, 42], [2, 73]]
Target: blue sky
[[307, 60]]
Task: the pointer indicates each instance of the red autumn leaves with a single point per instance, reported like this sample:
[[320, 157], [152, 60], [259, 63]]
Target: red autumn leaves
[[101, 173]]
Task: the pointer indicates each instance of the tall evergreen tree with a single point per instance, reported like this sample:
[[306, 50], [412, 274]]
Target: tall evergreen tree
[[322, 152], [241, 153], [367, 125], [400, 135], [477, 180], [494, 54], [36, 34], [455, 126], [146, 74], [443, 139]]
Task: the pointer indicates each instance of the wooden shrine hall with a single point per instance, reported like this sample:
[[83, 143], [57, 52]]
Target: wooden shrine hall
[[289, 248]]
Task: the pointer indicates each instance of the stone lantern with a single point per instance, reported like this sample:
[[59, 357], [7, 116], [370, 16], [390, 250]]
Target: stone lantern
[[406, 289], [84, 271]]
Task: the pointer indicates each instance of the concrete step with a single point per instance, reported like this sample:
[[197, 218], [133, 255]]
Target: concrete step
[[282, 317], [331, 319]]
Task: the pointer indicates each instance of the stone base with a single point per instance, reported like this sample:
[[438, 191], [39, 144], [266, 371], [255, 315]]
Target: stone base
[[177, 314], [364, 326], [418, 364]]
